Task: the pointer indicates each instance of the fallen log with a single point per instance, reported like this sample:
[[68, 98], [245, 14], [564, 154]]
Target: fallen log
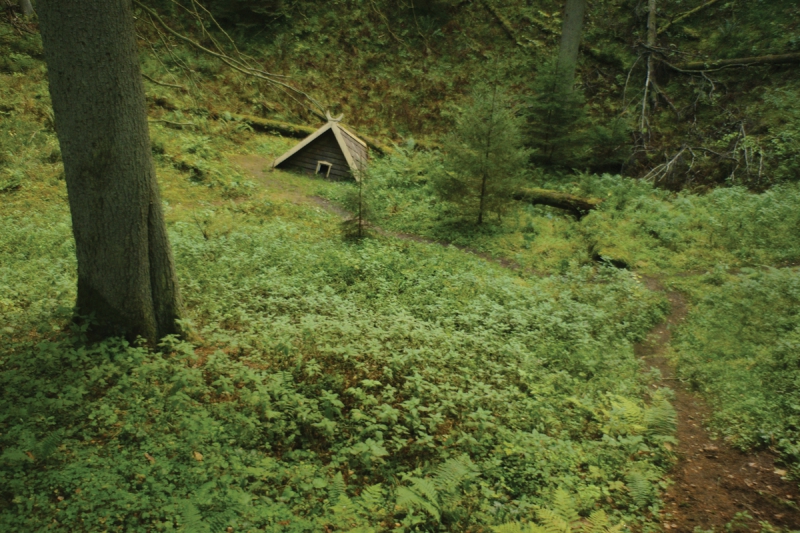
[[716, 64], [265, 125], [576, 205], [686, 15]]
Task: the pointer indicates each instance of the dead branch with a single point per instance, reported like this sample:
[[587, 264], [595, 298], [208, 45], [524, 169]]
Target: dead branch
[[237, 64], [504, 23], [173, 124], [151, 80], [664, 169], [386, 22], [686, 14]]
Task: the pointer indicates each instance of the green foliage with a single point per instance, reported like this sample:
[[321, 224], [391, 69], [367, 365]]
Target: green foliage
[[484, 159], [335, 383], [563, 518], [557, 121], [739, 347]]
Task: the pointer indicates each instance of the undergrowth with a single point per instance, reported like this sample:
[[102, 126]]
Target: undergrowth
[[740, 349], [337, 385], [646, 228]]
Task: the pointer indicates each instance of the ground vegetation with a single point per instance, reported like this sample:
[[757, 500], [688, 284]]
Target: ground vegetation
[[439, 376]]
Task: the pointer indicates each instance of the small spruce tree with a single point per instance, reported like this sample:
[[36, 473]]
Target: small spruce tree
[[356, 202], [484, 155], [557, 121]]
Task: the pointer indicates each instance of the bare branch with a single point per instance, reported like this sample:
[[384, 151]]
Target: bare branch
[[234, 63], [151, 80]]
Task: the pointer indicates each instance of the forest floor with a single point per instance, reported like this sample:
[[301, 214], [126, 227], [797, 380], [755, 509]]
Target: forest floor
[[714, 486]]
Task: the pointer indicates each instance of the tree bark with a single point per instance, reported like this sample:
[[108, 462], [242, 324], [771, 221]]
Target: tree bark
[[26, 7], [126, 274], [652, 35], [571, 32], [576, 205]]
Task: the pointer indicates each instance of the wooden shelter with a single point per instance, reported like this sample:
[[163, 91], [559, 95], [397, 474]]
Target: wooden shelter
[[332, 152]]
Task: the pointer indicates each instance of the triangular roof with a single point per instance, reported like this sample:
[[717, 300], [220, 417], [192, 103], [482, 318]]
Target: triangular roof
[[354, 161]]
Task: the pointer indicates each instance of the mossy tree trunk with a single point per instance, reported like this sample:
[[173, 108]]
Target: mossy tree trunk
[[571, 32], [126, 274], [26, 7]]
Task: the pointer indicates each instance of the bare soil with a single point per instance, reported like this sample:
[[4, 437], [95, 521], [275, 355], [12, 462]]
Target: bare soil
[[712, 482]]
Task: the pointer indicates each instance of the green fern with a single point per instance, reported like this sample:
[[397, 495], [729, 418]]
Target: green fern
[[552, 522], [516, 527], [425, 488], [452, 473], [192, 519], [565, 506], [639, 488], [599, 523], [660, 418], [441, 491], [219, 523], [563, 518], [632, 414], [372, 497], [409, 499], [48, 445], [337, 489]]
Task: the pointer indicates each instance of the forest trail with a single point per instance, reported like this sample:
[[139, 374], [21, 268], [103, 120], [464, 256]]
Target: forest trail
[[715, 487]]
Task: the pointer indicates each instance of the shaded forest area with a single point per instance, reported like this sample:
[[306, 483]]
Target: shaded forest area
[[717, 108]]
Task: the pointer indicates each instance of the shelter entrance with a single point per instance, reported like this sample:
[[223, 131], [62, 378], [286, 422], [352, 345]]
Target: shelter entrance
[[324, 168]]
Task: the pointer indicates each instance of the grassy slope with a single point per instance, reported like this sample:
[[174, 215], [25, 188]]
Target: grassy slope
[[336, 386], [256, 243]]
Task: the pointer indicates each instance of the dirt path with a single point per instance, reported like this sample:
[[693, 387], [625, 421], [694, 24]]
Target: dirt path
[[714, 485], [712, 481]]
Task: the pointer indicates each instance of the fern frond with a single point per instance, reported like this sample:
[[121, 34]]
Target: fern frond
[[516, 527], [425, 488], [452, 473], [639, 488], [219, 523], [599, 523], [564, 505], [337, 489], [205, 494], [372, 497], [552, 522], [192, 519], [48, 445], [409, 499], [660, 418], [629, 411]]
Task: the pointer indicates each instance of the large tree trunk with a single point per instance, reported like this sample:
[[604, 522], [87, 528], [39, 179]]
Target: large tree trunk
[[571, 32], [26, 7], [126, 275]]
